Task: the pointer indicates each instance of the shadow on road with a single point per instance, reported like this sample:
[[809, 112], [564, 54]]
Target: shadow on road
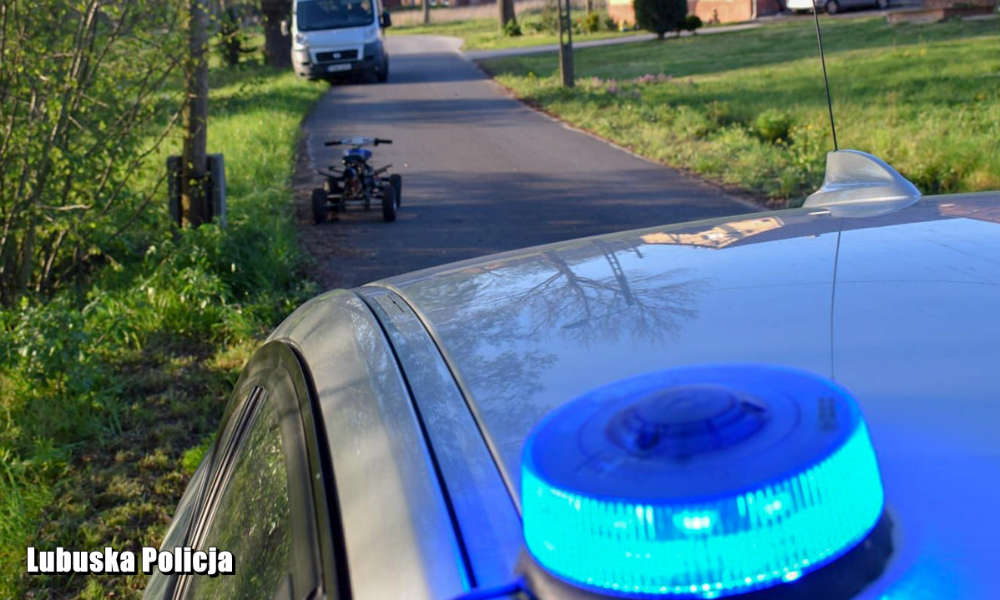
[[431, 68], [449, 216]]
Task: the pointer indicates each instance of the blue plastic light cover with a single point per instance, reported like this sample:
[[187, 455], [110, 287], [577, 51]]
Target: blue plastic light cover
[[738, 478]]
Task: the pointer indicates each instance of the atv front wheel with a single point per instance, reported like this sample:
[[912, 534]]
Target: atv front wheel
[[396, 181]]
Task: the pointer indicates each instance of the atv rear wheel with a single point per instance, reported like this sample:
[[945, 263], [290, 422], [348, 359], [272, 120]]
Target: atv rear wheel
[[389, 204]]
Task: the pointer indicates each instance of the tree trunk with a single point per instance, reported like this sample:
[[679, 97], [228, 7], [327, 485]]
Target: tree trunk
[[194, 160], [590, 6], [566, 43], [505, 10], [277, 47], [426, 8]]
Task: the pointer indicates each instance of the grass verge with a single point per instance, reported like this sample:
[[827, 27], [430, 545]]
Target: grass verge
[[748, 108], [108, 392]]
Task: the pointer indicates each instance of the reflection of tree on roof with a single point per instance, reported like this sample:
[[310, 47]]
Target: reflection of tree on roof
[[508, 318], [588, 300]]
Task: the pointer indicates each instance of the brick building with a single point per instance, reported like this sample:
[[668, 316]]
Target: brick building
[[709, 11]]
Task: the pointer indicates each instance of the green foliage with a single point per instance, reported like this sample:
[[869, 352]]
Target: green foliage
[[660, 16], [549, 19], [589, 23], [82, 84], [110, 388], [512, 28], [692, 23], [772, 125], [192, 456], [232, 38], [920, 96]]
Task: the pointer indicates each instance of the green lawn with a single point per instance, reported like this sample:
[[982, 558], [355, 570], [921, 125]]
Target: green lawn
[[748, 108], [483, 34], [110, 392]]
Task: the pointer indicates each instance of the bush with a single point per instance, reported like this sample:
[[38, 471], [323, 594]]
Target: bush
[[512, 29], [772, 125], [589, 23], [95, 82], [535, 26], [550, 17], [691, 23], [610, 24], [660, 16], [145, 346]]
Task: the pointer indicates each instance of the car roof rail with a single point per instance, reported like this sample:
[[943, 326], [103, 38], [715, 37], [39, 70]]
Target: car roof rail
[[859, 180]]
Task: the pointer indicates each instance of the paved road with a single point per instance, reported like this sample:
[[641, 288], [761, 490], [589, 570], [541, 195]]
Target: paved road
[[481, 172]]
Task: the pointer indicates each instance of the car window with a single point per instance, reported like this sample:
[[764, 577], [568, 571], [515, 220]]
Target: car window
[[252, 518]]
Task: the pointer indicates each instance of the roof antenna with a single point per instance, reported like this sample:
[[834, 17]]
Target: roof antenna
[[822, 60]]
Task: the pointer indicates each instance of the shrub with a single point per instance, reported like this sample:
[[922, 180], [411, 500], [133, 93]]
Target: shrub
[[512, 29], [550, 17], [589, 23], [691, 23], [535, 26], [772, 125], [610, 24], [81, 107], [660, 16]]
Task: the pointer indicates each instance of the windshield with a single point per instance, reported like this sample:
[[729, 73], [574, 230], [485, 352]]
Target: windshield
[[314, 15]]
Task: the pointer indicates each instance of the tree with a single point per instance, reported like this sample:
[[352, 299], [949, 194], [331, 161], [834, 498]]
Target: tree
[[505, 12], [277, 45], [425, 6], [81, 110], [660, 16]]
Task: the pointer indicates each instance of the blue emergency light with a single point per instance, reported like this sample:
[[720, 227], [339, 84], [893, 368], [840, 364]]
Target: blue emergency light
[[699, 482]]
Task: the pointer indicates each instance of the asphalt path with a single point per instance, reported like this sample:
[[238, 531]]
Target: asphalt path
[[481, 172]]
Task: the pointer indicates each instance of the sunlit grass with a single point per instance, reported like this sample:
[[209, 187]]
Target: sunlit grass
[[925, 97]]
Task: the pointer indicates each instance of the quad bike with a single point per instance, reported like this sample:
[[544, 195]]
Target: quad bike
[[357, 182]]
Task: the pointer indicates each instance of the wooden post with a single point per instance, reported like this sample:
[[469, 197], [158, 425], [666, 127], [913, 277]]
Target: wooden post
[[194, 159]]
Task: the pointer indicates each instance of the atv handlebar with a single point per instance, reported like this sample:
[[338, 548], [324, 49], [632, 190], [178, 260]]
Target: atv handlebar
[[358, 141]]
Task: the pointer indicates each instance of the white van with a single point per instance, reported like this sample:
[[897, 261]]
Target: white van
[[332, 38]]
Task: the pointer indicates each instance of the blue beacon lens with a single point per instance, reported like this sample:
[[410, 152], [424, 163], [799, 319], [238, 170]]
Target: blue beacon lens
[[699, 482]]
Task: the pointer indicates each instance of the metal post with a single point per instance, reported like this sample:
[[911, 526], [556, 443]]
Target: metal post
[[565, 43]]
